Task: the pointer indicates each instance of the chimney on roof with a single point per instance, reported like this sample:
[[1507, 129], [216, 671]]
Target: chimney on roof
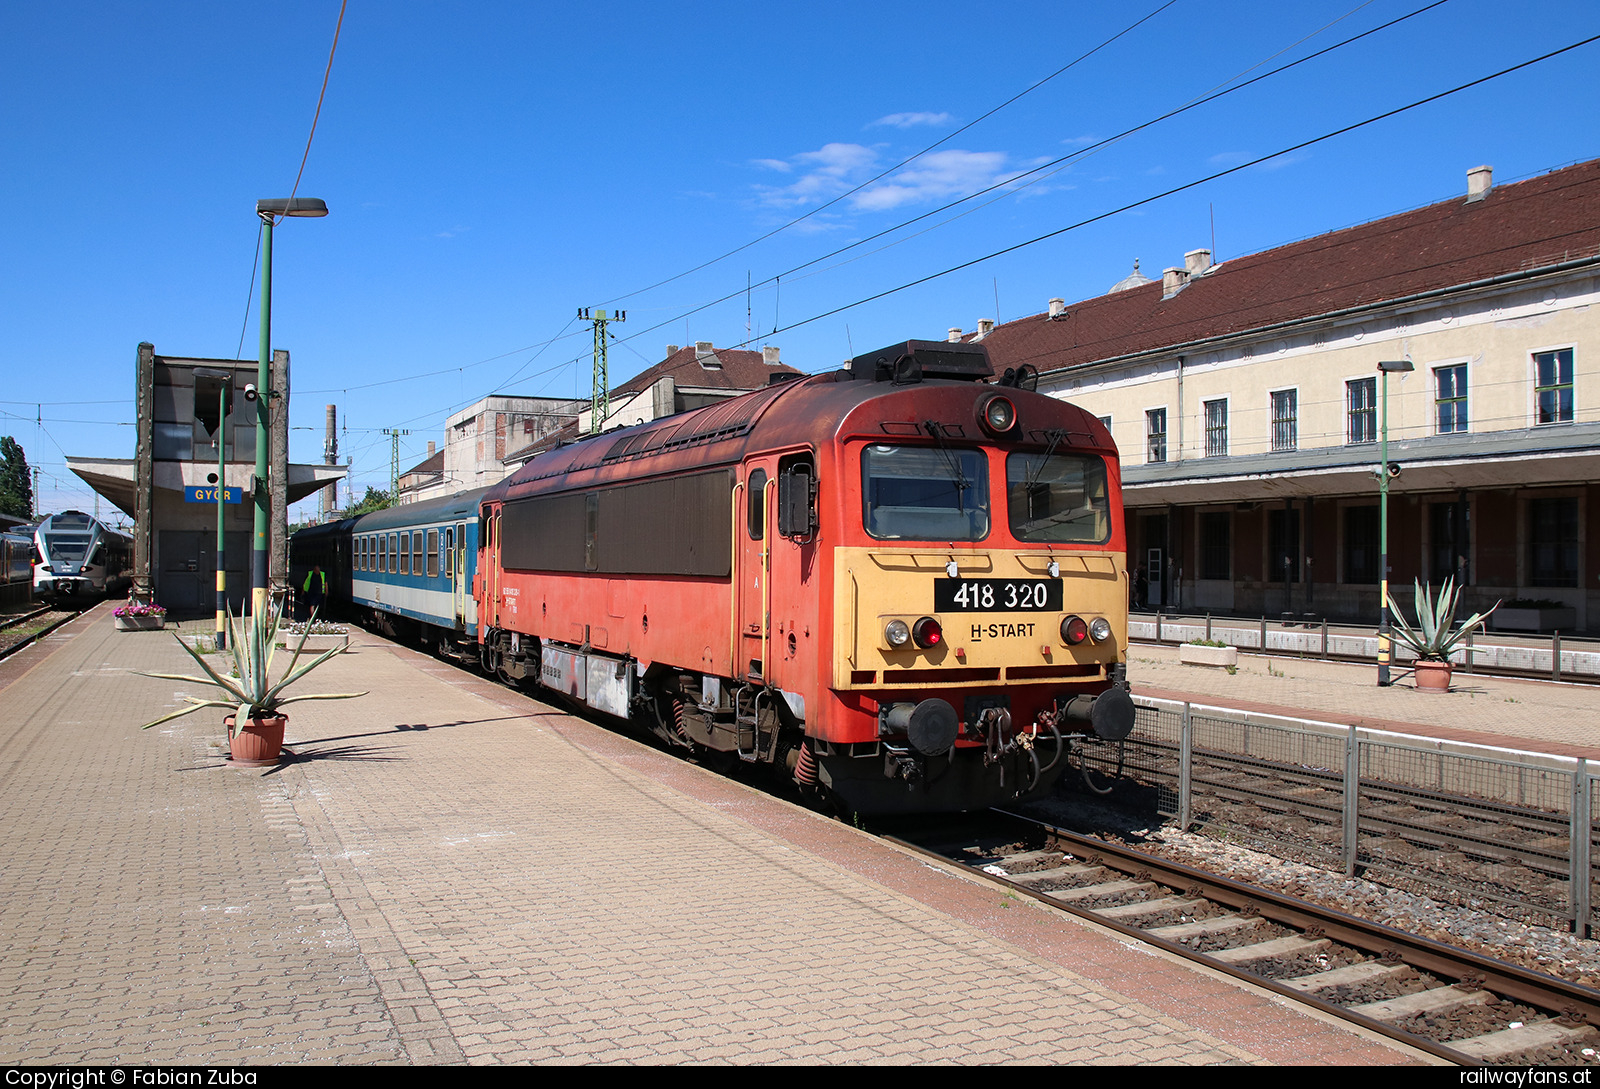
[[1196, 262], [1479, 180], [672, 350], [955, 335], [1058, 309], [430, 449], [704, 356], [769, 355], [985, 327], [1173, 280]]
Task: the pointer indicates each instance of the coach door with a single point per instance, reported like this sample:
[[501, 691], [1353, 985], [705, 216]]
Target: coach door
[[491, 574], [459, 590], [753, 567]]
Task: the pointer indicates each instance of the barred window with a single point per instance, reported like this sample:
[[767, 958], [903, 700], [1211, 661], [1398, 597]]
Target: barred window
[[1361, 400], [1285, 425], [1217, 428]]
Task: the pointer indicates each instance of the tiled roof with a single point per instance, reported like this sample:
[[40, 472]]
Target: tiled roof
[[740, 369], [1514, 228], [434, 463]]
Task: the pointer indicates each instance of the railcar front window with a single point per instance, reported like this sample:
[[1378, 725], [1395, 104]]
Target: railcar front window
[[923, 493], [66, 547], [1061, 498]]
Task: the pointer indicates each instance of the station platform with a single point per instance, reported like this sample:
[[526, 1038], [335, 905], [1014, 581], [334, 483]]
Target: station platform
[[449, 872], [1556, 718]]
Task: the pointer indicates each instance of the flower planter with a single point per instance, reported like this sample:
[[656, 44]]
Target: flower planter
[[1432, 676], [154, 622], [315, 644], [1562, 619], [1196, 654], [259, 743]]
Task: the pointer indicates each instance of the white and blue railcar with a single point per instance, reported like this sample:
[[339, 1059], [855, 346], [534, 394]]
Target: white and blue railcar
[[80, 557], [411, 567]]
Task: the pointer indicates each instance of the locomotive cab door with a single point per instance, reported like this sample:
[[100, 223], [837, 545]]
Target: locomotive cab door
[[752, 570]]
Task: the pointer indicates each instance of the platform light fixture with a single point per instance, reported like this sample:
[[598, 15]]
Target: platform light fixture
[[268, 211]]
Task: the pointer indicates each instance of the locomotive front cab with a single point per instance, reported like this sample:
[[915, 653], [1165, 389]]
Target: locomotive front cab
[[980, 598]]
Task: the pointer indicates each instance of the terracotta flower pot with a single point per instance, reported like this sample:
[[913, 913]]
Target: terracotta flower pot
[[1432, 676], [259, 743]]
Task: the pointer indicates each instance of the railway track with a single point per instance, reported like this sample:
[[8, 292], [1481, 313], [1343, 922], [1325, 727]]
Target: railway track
[[1455, 1004], [22, 631], [1516, 855]]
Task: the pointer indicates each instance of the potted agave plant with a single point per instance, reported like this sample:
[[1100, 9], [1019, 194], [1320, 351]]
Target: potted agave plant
[[255, 729], [1434, 638]]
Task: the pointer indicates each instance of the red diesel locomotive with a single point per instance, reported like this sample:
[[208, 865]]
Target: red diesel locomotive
[[904, 582]]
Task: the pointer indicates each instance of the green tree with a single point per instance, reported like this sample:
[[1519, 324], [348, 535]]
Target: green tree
[[375, 499], [16, 489]]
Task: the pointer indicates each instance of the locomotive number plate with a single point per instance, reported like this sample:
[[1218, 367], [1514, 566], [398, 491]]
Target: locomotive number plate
[[997, 595]]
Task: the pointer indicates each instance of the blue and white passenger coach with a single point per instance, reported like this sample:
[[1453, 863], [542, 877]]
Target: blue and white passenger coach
[[410, 566]]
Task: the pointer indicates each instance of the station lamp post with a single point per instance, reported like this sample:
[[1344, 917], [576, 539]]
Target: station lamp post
[[262, 394], [1385, 647]]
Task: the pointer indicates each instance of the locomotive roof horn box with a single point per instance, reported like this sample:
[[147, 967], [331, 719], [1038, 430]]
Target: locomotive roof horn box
[[911, 361]]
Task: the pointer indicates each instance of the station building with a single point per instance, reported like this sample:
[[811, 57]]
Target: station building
[[168, 486], [1248, 405]]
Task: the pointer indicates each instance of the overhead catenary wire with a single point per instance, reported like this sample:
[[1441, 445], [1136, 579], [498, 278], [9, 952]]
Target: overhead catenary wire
[[1037, 172], [1190, 185], [904, 162]]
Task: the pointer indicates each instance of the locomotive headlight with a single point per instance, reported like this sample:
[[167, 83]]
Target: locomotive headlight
[[997, 414], [1099, 629], [1074, 630], [896, 633], [927, 633]]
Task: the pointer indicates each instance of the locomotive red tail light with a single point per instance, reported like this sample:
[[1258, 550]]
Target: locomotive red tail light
[[927, 633], [1074, 630], [997, 414]]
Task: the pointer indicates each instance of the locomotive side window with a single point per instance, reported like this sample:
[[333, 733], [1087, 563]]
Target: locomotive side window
[[757, 504], [922, 493], [1061, 498]]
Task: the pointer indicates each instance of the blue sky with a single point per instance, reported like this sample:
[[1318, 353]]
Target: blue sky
[[492, 167]]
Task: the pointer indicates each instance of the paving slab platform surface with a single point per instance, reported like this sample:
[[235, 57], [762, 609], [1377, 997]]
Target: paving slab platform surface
[[450, 872]]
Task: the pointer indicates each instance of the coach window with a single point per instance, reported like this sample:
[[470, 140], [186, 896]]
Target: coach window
[[395, 556], [416, 552], [925, 493], [433, 553], [757, 505]]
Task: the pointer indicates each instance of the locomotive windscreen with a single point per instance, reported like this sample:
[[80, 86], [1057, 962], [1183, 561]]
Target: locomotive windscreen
[[676, 526]]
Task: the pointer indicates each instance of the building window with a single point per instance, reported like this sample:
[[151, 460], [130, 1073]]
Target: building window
[[1217, 428], [1361, 402], [1285, 426], [1553, 542], [1155, 426], [1450, 397], [1216, 545], [1553, 386], [1361, 544]]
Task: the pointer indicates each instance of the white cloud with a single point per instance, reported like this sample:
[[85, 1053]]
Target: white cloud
[[824, 174], [773, 164], [940, 175], [909, 120]]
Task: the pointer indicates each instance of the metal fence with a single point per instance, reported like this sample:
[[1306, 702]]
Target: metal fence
[[1470, 822]]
